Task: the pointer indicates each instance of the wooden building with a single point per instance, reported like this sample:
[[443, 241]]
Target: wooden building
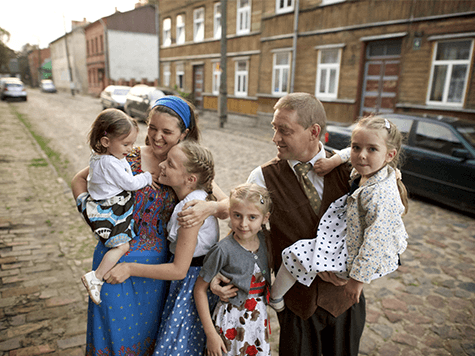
[[356, 56]]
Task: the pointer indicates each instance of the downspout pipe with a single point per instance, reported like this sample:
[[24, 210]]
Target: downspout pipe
[[294, 46], [106, 50]]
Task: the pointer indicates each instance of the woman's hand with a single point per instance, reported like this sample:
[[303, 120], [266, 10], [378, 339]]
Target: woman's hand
[[195, 212], [118, 274], [223, 292], [215, 345], [330, 277], [353, 290]]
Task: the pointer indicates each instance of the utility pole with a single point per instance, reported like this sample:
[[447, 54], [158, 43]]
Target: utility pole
[[71, 83], [223, 95]]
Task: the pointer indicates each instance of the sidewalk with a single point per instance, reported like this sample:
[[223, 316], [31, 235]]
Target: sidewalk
[[42, 305]]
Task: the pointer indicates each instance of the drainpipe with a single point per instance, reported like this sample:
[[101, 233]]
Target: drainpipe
[[106, 50], [157, 31], [294, 46]]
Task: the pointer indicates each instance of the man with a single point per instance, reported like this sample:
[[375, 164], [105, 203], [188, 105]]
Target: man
[[319, 319]]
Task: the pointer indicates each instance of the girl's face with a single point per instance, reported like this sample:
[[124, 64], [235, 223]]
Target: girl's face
[[246, 219], [172, 171], [121, 146], [369, 152], [163, 133]]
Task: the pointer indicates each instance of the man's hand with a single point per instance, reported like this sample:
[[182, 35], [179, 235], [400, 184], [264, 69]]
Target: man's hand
[[223, 292], [330, 277], [353, 290], [118, 274]]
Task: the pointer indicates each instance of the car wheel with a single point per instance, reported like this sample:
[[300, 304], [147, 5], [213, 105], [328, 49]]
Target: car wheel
[[24, 99]]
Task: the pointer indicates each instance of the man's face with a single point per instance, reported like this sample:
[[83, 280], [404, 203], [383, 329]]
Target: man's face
[[292, 140]]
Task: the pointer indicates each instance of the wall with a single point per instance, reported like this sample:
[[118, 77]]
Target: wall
[[132, 55]]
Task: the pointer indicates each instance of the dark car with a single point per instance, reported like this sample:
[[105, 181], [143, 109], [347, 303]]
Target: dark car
[[47, 86], [114, 96], [12, 88], [140, 99], [438, 156]]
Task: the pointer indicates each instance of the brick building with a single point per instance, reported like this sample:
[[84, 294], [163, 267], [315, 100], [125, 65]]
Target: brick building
[[122, 49], [356, 56], [37, 60]]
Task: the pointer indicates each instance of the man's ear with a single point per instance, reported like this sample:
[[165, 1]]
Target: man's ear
[[315, 129], [105, 141]]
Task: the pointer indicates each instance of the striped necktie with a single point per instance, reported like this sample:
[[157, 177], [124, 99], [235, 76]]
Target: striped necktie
[[302, 170]]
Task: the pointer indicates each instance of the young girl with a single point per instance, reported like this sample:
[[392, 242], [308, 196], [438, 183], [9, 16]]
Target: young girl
[[108, 204], [361, 235], [189, 170], [239, 327]]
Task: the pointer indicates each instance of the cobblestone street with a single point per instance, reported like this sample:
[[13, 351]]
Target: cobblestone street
[[425, 308]]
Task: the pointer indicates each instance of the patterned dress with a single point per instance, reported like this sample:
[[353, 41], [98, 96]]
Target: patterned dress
[[127, 320], [245, 329]]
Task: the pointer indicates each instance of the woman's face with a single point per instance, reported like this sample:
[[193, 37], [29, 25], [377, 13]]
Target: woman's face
[[163, 133]]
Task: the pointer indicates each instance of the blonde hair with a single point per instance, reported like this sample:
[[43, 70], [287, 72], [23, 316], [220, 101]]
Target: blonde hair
[[111, 123], [200, 162], [253, 193], [393, 141], [309, 109]]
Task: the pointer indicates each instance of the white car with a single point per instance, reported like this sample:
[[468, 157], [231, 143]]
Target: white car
[[12, 88], [114, 96]]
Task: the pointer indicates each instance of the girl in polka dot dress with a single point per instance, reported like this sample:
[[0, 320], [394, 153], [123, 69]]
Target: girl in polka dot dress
[[240, 326], [361, 235]]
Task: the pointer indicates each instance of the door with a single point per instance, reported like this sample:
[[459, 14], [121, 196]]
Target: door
[[381, 76], [198, 85]]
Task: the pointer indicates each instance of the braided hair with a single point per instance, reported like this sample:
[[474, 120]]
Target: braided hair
[[200, 162]]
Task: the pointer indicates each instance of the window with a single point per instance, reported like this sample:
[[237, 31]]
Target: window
[[282, 6], [180, 76], [167, 35], [328, 72], [217, 20], [166, 74], [240, 79], [280, 74], [436, 138], [216, 77], [328, 2], [180, 29], [243, 24], [449, 73], [102, 43], [199, 24]]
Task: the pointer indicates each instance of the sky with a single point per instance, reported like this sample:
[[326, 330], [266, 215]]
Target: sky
[[39, 22]]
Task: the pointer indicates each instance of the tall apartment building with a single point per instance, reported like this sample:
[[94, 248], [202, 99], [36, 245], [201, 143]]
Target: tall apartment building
[[356, 56]]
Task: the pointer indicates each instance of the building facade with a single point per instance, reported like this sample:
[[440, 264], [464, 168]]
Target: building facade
[[122, 49], [356, 56], [68, 59], [39, 61]]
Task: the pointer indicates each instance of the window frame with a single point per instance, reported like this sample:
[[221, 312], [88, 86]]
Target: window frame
[[239, 75], [180, 71], [285, 8], [246, 12], [449, 64], [280, 68], [167, 32], [200, 21], [216, 77], [180, 26], [328, 67], [217, 21]]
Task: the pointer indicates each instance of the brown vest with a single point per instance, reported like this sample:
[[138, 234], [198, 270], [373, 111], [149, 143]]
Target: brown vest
[[293, 219]]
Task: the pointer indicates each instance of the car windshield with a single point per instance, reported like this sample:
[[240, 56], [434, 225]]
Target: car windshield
[[120, 91], [156, 94], [468, 132], [14, 85]]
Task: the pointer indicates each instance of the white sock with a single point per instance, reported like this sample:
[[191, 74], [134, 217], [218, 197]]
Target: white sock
[[283, 282]]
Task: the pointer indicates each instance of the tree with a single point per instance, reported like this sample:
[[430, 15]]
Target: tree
[[5, 53]]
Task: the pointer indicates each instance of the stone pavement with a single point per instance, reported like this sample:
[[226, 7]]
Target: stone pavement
[[426, 308]]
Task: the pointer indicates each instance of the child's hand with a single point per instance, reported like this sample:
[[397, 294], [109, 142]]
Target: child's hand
[[353, 290], [325, 165], [155, 183], [331, 277], [215, 345]]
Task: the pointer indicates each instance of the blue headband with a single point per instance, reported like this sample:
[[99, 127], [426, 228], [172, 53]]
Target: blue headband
[[177, 105]]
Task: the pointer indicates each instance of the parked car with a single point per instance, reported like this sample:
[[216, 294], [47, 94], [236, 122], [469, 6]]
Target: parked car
[[114, 96], [438, 156], [47, 86], [12, 88], [140, 99]]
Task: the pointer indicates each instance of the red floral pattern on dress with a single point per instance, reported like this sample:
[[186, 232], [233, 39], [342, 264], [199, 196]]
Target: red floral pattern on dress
[[250, 304], [231, 334], [251, 350]]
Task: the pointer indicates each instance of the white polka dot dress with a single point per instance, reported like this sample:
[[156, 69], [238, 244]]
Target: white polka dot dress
[[327, 252]]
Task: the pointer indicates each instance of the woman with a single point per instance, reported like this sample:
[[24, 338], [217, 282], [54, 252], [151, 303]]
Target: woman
[[127, 320]]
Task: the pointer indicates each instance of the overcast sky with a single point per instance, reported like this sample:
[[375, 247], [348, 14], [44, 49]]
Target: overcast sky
[[43, 21]]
